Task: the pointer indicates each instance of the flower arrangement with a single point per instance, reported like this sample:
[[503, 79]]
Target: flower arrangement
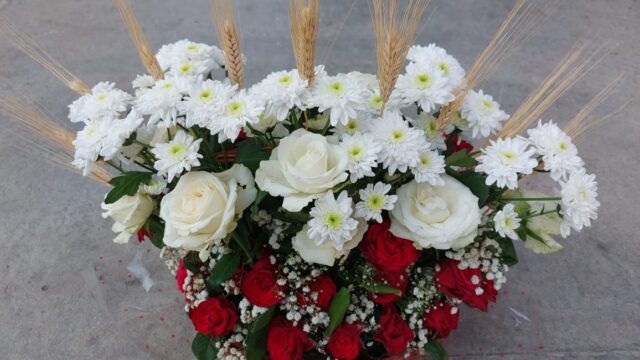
[[341, 216]]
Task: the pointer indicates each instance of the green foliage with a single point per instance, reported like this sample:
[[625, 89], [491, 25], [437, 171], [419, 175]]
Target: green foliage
[[156, 230], [381, 288], [460, 158], [250, 154], [126, 185], [476, 183], [436, 350], [256, 343], [223, 270], [204, 348], [509, 254], [338, 309]]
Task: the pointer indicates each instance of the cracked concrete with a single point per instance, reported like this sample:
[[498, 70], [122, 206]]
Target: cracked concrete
[[66, 293]]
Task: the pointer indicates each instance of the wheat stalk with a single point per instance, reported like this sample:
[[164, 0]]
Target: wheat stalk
[[576, 64], [147, 55], [583, 122], [222, 12], [44, 134], [522, 22], [303, 16], [30, 48], [394, 37]]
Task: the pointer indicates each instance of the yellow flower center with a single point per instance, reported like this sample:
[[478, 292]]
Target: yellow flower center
[[185, 68], [355, 151], [397, 135], [176, 149], [192, 47], [336, 87], [424, 160], [205, 95], [285, 80], [333, 220], [424, 80], [445, 68], [375, 202]]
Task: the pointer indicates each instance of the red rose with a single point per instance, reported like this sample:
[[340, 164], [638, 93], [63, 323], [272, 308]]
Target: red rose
[[466, 285], [455, 144], [394, 332], [386, 251], [322, 291], [214, 316], [181, 274], [260, 285], [344, 343], [441, 319], [285, 341], [398, 281]]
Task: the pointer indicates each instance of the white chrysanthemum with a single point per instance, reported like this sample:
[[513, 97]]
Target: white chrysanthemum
[[119, 131], [104, 102], [331, 219], [179, 154], [142, 83], [185, 57], [559, 154], [281, 91], [430, 168], [89, 142], [161, 101], [373, 200], [206, 101], [156, 186], [401, 144], [422, 84], [504, 159], [240, 110], [434, 56], [483, 114], [579, 201], [341, 95], [429, 124], [359, 124], [506, 222], [363, 152]]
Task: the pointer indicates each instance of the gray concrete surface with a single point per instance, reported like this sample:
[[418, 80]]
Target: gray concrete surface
[[65, 292]]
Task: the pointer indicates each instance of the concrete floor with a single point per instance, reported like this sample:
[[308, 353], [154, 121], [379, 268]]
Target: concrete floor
[[65, 292]]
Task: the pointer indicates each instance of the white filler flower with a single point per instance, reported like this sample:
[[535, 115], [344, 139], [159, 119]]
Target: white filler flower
[[331, 220], [504, 159], [483, 114], [373, 200], [506, 222], [559, 154], [181, 153], [579, 202]]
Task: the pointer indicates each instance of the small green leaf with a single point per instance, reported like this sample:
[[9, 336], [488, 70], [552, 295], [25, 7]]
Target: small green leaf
[[378, 288], [338, 309], [509, 254], [126, 185], [223, 270], [204, 348], [460, 158], [156, 230], [476, 183], [250, 154], [256, 343], [436, 350]]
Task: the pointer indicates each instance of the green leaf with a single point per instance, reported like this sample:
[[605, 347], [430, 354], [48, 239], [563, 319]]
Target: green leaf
[[223, 270], [509, 255], [436, 350], [204, 348], [192, 262], [381, 288], [126, 185], [156, 230], [256, 343], [460, 158], [476, 183], [250, 154], [338, 309]]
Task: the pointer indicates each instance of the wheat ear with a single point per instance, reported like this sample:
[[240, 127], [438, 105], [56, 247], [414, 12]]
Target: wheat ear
[[303, 17], [222, 12]]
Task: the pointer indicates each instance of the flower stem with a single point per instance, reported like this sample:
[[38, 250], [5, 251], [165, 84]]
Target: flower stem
[[115, 166], [557, 198], [540, 214]]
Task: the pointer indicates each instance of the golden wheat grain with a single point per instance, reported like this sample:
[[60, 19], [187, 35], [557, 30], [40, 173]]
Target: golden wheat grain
[[303, 17], [222, 13]]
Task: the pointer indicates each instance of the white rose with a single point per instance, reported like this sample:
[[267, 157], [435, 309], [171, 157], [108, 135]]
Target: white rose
[[326, 254], [303, 166], [442, 217], [129, 214], [203, 207]]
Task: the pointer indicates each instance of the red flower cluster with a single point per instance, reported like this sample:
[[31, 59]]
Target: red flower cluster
[[214, 316], [260, 284], [181, 275], [441, 319], [344, 343], [285, 341], [467, 285], [395, 334], [385, 251], [322, 291]]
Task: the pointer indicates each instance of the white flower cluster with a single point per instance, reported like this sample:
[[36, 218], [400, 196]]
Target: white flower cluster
[[484, 255], [195, 289]]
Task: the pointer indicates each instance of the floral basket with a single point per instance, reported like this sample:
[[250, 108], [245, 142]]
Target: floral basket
[[314, 215]]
